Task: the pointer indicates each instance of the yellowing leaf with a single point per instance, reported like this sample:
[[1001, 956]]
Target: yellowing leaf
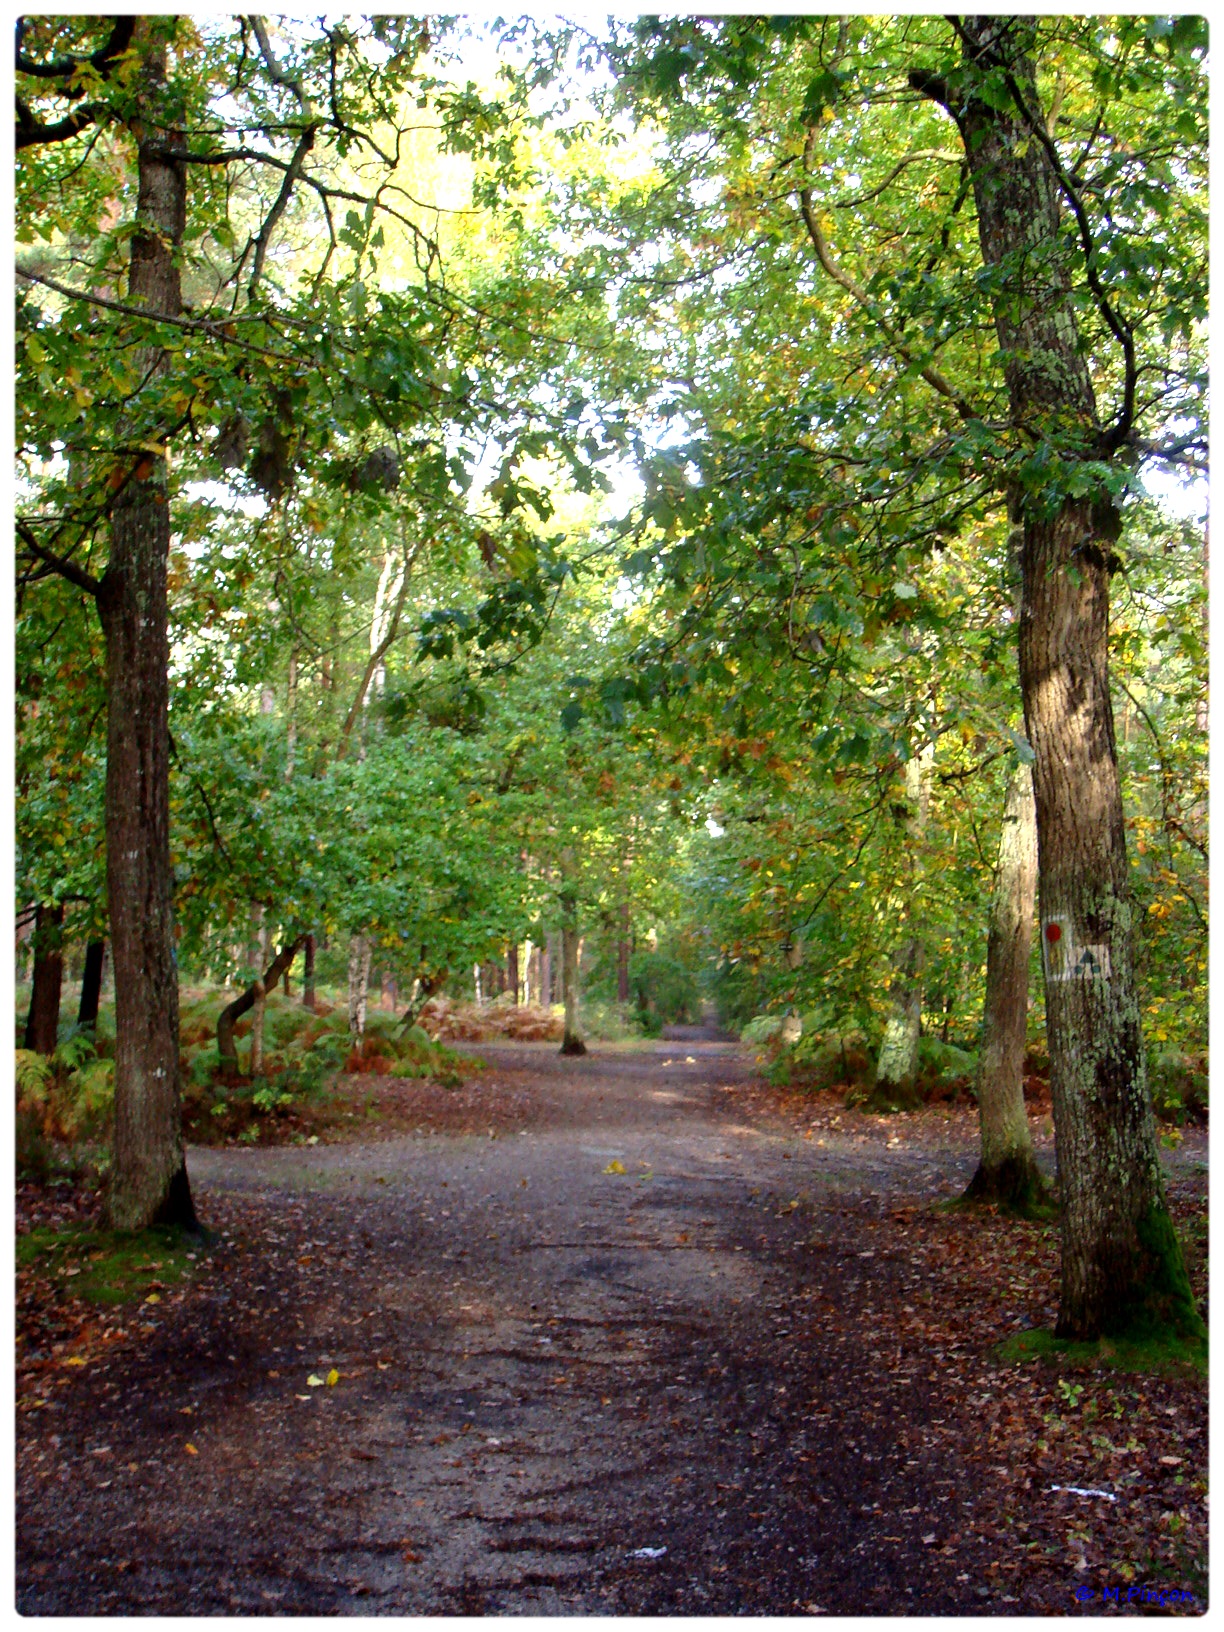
[[75, 1360], [333, 1377], [314, 1381], [153, 1297], [190, 1449], [615, 1166]]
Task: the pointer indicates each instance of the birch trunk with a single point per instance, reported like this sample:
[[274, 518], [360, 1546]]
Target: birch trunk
[[897, 1066], [358, 984], [258, 1010]]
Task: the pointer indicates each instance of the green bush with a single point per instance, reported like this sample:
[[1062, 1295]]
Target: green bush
[[818, 1062], [1178, 1084], [764, 1029], [66, 1100], [945, 1065]]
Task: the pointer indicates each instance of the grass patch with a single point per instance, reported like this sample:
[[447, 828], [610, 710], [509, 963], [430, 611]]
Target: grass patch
[[1160, 1355], [109, 1267]]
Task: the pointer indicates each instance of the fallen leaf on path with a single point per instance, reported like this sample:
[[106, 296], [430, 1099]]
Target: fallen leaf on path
[[614, 1166], [314, 1381], [75, 1360], [190, 1449], [333, 1377]]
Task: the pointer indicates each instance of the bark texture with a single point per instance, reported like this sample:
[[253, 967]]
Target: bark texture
[[259, 1009], [233, 1012], [358, 984], [1007, 1171], [148, 1181], [42, 1020], [512, 971], [897, 1066], [571, 1041], [91, 983], [1122, 1268], [308, 974]]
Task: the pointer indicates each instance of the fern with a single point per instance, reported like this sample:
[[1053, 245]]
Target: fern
[[34, 1077], [75, 1051], [93, 1087]]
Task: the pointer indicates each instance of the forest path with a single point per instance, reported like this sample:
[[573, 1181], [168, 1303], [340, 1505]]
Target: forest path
[[562, 1389]]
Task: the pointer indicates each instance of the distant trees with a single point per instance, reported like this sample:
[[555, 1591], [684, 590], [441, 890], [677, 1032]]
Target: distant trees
[[975, 301]]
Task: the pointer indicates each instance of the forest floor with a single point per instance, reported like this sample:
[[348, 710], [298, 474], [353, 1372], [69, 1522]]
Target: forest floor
[[629, 1334]]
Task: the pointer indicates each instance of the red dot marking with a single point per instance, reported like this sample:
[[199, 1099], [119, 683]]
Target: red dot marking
[[1053, 933]]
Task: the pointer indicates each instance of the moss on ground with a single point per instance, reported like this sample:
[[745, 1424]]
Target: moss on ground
[[109, 1266], [1159, 1353]]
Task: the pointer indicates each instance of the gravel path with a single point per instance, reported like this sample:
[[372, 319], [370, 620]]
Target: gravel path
[[577, 1374]]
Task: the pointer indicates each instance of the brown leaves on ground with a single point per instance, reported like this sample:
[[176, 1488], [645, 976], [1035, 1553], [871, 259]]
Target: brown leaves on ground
[[938, 1291]]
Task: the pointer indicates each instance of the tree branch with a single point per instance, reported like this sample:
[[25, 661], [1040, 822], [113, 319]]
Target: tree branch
[[216, 331], [278, 208], [116, 44], [379, 651], [59, 563], [858, 294]]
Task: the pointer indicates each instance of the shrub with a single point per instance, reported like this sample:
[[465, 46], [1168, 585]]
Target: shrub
[[764, 1029], [66, 1100], [1178, 1083]]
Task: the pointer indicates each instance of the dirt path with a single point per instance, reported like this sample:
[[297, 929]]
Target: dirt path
[[686, 1387]]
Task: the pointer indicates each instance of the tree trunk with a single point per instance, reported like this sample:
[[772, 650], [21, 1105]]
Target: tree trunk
[[512, 971], [148, 1182], [546, 973], [897, 1067], [1007, 1171], [308, 974], [622, 956], [258, 1010], [242, 1004], [42, 1021], [291, 717], [571, 1042], [1122, 1266], [358, 983], [91, 983]]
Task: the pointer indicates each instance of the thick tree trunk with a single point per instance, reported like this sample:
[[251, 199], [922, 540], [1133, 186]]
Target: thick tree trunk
[[1007, 1171], [358, 984], [512, 971], [233, 1012], [1122, 1267], [148, 1182], [42, 1021], [91, 983], [308, 974]]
